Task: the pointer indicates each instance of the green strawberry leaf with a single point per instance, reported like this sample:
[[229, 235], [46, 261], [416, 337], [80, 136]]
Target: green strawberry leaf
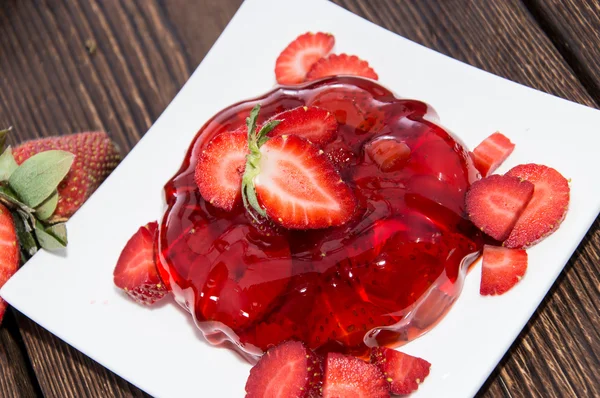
[[46, 209], [7, 164], [27, 242], [256, 139], [10, 199], [38, 177], [59, 231], [265, 130], [251, 120], [46, 239], [28, 220]]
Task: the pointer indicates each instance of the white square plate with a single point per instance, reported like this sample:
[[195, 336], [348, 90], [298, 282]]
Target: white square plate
[[159, 350]]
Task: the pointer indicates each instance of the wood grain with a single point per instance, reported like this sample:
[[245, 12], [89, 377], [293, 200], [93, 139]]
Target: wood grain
[[146, 50], [63, 371], [15, 378], [574, 28]]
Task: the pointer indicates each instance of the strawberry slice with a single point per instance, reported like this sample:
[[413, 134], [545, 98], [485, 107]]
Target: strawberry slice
[[136, 271], [299, 187], [502, 268], [9, 252], [347, 376], [389, 154], [220, 167], [292, 182], [317, 125], [491, 153], [299, 56], [342, 64], [287, 370], [495, 203], [404, 372], [547, 208]]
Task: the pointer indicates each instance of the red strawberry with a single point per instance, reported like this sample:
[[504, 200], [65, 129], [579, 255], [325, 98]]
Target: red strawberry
[[347, 377], [490, 154], [136, 271], [404, 372], [9, 251], [317, 125], [298, 186], [96, 156], [287, 370], [547, 208], [341, 64], [220, 167], [388, 153], [495, 203], [501, 269], [296, 60], [292, 182]]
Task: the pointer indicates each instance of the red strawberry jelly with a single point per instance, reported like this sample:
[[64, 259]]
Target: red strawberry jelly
[[384, 278]]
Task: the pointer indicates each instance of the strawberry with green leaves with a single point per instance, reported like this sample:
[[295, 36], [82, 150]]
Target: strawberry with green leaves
[[96, 156], [292, 182], [42, 183]]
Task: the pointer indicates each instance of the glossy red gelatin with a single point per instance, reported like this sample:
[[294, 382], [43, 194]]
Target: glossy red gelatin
[[384, 278]]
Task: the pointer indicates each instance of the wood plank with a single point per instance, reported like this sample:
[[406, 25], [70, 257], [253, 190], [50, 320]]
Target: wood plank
[[15, 377], [574, 28], [146, 50]]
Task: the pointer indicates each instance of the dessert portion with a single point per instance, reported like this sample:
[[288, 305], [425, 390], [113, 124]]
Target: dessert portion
[[314, 227], [356, 242]]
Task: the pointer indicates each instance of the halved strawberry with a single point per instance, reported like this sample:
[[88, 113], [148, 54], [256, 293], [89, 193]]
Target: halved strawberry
[[136, 271], [495, 203], [298, 186], [501, 269], [389, 154], [299, 56], [342, 64], [546, 209], [347, 376], [287, 370], [490, 154], [220, 167], [404, 372], [317, 125], [292, 182], [9, 252]]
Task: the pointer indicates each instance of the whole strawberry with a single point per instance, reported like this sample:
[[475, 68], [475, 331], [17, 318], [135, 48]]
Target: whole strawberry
[[96, 156]]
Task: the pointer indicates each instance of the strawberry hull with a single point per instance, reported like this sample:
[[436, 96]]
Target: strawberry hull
[[383, 278]]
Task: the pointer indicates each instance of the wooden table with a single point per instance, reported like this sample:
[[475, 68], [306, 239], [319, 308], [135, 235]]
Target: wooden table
[[52, 81]]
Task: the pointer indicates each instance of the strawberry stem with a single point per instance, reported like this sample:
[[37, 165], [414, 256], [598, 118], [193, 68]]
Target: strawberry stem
[[256, 139]]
